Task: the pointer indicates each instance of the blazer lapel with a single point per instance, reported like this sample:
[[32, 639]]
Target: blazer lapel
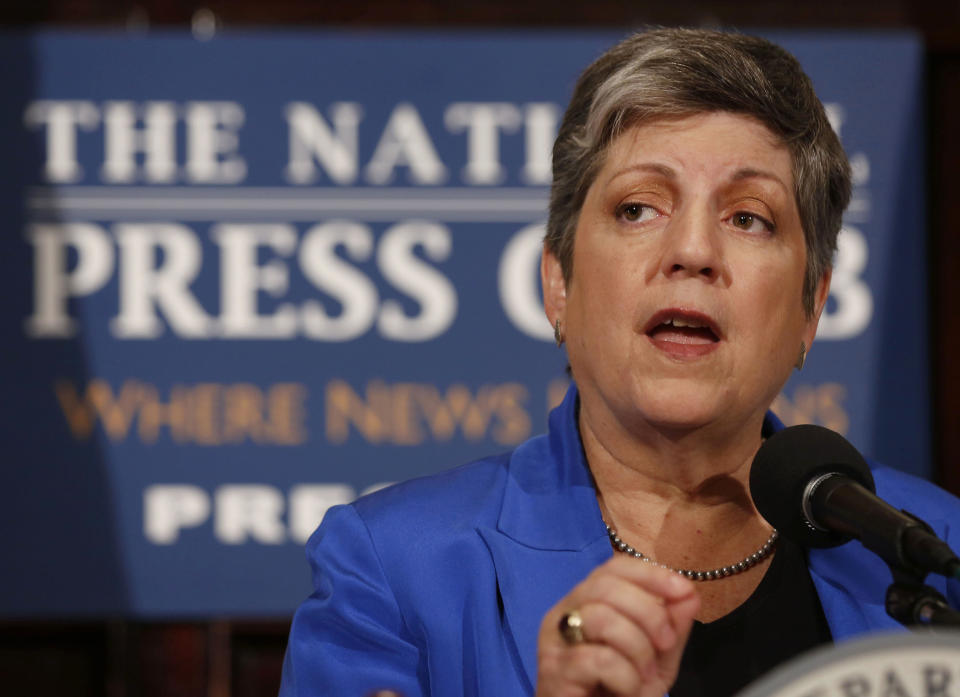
[[531, 581], [549, 533]]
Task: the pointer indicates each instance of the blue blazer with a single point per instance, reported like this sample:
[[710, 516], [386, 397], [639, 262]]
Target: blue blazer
[[438, 586]]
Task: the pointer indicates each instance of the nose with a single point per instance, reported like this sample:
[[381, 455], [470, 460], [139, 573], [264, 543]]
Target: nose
[[692, 246]]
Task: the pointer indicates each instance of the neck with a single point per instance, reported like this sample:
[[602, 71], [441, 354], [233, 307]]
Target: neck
[[681, 497], [669, 462]]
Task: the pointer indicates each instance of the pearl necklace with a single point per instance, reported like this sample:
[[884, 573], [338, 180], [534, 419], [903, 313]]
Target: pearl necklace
[[713, 574]]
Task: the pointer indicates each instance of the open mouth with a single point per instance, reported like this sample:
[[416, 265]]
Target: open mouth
[[688, 328]]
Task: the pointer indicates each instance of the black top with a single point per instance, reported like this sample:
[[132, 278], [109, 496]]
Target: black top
[[782, 619]]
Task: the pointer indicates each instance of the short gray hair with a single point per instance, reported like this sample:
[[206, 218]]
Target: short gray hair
[[672, 73]]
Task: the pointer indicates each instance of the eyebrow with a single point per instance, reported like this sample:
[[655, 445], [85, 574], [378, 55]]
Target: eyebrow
[[670, 173], [653, 167], [750, 173]]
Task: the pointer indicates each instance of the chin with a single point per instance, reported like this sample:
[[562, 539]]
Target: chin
[[679, 422], [679, 409]]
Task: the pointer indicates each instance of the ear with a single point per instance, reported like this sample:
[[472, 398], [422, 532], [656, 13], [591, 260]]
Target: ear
[[554, 286], [819, 302]]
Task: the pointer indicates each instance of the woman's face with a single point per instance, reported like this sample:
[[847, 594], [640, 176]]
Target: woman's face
[[685, 304]]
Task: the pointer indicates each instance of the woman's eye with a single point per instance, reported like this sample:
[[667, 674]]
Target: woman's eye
[[637, 212], [748, 222]]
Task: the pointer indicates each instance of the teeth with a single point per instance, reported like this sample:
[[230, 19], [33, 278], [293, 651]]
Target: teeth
[[677, 322]]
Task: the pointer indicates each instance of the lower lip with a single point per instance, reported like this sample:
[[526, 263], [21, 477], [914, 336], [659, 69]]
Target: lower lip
[[684, 351]]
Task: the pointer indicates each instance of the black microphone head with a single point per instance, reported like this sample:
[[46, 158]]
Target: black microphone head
[[786, 463]]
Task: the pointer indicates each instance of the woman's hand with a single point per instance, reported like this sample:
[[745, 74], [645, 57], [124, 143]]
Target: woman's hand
[[636, 620]]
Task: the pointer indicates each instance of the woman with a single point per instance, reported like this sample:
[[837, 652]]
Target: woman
[[698, 192]]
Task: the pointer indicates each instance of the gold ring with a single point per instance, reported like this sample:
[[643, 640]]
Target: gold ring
[[571, 628]]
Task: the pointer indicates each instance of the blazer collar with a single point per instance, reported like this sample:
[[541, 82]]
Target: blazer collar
[[549, 501]]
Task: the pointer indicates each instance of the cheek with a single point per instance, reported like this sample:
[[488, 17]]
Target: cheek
[[591, 284], [607, 295], [608, 271], [773, 305]]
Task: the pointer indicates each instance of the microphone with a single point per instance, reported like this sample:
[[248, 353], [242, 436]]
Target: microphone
[[816, 489]]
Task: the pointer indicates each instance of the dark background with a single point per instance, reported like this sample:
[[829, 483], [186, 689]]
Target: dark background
[[230, 656]]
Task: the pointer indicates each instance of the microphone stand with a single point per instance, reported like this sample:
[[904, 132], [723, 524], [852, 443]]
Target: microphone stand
[[909, 600], [914, 604]]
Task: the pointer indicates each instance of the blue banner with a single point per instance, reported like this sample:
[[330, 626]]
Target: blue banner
[[252, 277]]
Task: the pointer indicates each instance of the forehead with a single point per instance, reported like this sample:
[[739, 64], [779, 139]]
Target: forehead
[[714, 143]]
